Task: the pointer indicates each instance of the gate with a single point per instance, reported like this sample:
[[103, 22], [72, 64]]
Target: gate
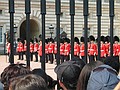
[[57, 13]]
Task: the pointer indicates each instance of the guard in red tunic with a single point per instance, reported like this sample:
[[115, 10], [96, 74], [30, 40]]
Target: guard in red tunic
[[36, 46], [102, 49], [82, 49], [46, 50], [107, 45], [51, 50], [92, 49], [40, 50], [20, 49], [76, 47], [62, 47], [67, 49], [116, 48], [31, 49]]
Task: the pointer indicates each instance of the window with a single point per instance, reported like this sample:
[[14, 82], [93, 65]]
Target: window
[[117, 1], [106, 1], [92, 0], [1, 34]]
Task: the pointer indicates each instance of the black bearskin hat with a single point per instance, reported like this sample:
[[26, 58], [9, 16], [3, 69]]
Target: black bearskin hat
[[102, 38], [82, 39], [91, 38], [107, 39], [18, 39], [46, 41], [76, 40], [51, 40], [116, 38]]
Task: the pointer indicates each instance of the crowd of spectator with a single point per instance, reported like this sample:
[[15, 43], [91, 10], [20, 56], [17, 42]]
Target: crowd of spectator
[[71, 75]]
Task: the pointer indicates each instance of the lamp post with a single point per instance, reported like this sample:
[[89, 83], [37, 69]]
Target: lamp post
[[51, 27]]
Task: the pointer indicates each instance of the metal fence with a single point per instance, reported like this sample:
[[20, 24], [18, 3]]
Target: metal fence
[[58, 12]]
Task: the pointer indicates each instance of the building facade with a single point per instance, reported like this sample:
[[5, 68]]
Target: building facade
[[35, 19]]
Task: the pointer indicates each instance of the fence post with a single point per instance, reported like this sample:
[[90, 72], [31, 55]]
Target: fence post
[[58, 12], [85, 13], [72, 13], [111, 14], [99, 14], [27, 12], [11, 11], [43, 12]]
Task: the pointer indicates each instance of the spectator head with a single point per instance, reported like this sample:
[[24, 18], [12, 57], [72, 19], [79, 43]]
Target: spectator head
[[103, 77], [112, 61], [68, 73], [28, 82], [41, 73], [49, 81], [85, 74], [12, 71]]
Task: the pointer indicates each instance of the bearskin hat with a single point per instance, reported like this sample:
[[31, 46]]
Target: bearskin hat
[[65, 39], [18, 39], [102, 38], [76, 40], [116, 38], [46, 41], [51, 40], [91, 38], [107, 39], [82, 39], [68, 40]]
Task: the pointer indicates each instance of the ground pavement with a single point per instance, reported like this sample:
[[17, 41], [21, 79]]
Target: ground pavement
[[49, 67]]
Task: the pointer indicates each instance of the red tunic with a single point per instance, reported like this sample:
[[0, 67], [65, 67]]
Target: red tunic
[[103, 50], [92, 49], [62, 47], [40, 50], [51, 48], [76, 49], [31, 47], [116, 49], [20, 47], [36, 46], [82, 50], [107, 46], [67, 49]]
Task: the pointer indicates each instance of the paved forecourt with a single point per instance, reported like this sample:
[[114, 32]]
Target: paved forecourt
[[49, 67]]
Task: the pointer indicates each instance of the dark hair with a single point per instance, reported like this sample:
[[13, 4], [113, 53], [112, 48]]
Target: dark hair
[[85, 74], [71, 84], [41, 73], [28, 82], [113, 62], [12, 71]]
